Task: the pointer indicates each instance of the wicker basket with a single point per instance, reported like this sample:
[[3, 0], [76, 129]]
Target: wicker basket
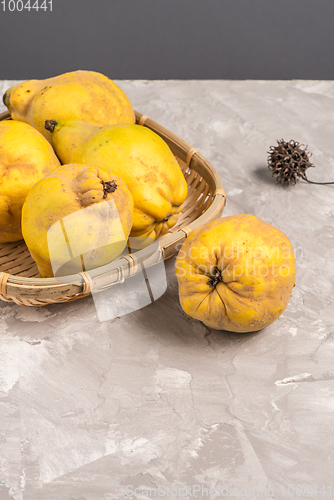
[[21, 283]]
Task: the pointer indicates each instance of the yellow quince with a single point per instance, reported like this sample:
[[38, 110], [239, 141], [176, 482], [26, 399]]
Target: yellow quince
[[236, 273], [76, 218], [78, 95], [25, 157]]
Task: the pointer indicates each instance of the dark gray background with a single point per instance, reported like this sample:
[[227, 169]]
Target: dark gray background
[[171, 39]]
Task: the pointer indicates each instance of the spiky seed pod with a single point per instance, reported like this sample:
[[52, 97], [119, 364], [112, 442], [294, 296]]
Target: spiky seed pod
[[288, 161]]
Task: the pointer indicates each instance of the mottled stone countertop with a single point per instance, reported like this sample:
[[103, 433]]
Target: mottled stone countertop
[[155, 404]]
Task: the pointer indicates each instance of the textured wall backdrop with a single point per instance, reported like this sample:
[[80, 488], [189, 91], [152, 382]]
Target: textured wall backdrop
[[168, 39]]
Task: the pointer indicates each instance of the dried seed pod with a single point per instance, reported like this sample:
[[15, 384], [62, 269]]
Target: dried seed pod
[[289, 162]]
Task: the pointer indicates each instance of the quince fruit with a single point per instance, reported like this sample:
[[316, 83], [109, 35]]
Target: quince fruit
[[79, 95], [25, 157], [236, 273], [76, 218], [140, 157]]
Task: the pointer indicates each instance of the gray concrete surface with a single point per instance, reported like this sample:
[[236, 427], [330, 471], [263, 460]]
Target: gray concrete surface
[[101, 411]]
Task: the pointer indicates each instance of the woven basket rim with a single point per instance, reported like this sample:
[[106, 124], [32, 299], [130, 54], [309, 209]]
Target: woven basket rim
[[193, 160]]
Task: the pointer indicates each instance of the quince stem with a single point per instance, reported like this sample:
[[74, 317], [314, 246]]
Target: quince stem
[[217, 277], [108, 187]]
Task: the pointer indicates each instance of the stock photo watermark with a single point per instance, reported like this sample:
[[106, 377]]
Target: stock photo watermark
[[114, 296], [26, 5], [200, 491]]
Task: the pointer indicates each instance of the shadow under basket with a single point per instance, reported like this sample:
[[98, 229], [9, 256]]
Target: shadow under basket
[[20, 281]]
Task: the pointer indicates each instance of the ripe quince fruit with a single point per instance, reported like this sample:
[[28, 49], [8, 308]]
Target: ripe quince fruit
[[25, 157], [79, 95], [140, 157], [76, 218], [236, 273]]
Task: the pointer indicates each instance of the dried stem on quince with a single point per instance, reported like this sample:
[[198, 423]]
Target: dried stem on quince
[[108, 187], [217, 277]]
